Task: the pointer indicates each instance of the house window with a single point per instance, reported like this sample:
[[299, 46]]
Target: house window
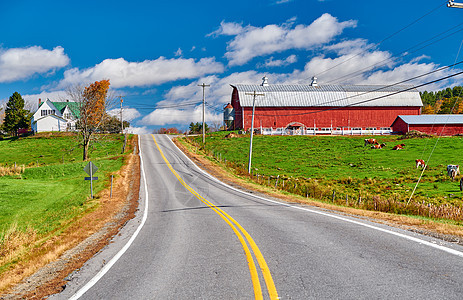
[[46, 112]]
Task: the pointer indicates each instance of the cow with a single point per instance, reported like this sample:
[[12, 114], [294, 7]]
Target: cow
[[461, 184], [371, 142], [398, 147], [419, 163], [453, 171], [378, 146]]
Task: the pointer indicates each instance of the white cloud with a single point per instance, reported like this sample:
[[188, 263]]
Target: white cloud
[[138, 130], [122, 73], [32, 100], [22, 63], [179, 52], [251, 42], [227, 28], [177, 116], [128, 114], [280, 62]]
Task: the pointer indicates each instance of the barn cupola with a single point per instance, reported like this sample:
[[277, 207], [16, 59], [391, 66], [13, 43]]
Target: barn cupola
[[264, 81], [314, 81]]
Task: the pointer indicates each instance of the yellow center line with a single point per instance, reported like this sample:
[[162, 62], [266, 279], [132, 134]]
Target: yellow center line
[[230, 221]]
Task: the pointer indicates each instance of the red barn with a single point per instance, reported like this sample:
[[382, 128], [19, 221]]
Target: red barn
[[323, 108], [430, 124]]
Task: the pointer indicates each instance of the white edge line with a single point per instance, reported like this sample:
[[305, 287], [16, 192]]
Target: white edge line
[[420, 241], [108, 266]]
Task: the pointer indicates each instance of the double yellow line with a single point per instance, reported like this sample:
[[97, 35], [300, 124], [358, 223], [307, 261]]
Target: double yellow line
[[239, 231]]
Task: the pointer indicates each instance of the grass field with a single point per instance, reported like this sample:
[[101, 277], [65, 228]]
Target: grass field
[[51, 191], [319, 166]]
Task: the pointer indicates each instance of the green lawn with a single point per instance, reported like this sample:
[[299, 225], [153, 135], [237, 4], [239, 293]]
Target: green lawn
[[343, 164], [49, 195]]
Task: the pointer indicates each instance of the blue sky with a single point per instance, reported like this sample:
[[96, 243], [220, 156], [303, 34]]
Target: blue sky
[[155, 53]]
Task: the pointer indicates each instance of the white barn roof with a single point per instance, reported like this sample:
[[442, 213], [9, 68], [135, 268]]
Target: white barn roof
[[432, 119], [329, 95]]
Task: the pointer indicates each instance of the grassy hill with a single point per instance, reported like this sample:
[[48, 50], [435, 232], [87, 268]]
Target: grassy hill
[[320, 166], [47, 191]]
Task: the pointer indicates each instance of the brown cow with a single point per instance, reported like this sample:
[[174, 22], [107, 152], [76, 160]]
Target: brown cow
[[371, 142], [420, 163], [378, 146], [398, 147], [453, 171]]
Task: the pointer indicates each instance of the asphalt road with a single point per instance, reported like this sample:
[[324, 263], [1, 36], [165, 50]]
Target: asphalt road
[[195, 238]]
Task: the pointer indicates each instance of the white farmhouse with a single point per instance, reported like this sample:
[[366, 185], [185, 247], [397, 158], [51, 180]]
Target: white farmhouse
[[55, 116]]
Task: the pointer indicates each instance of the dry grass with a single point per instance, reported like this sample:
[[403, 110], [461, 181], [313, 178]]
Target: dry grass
[[14, 242], [11, 170]]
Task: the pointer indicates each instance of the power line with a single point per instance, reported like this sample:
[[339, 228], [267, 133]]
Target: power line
[[381, 88], [383, 40], [402, 54], [368, 100]]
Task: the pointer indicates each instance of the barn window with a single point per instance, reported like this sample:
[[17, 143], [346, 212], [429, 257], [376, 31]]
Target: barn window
[[370, 128]]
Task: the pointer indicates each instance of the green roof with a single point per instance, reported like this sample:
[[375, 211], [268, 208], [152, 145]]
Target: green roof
[[73, 106]]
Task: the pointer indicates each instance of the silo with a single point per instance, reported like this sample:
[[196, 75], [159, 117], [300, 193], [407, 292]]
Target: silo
[[228, 116]]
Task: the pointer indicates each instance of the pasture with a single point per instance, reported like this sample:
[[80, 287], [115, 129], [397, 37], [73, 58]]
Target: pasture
[[342, 165], [48, 192]]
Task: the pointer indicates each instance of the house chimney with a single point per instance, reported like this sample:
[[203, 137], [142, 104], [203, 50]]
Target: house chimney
[[264, 81], [40, 101], [314, 81]]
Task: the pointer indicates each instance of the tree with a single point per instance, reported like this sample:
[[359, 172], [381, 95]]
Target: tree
[[163, 130], [16, 116], [198, 127], [93, 101], [112, 124]]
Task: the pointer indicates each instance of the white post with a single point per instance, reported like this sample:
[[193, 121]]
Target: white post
[[91, 181], [252, 127]]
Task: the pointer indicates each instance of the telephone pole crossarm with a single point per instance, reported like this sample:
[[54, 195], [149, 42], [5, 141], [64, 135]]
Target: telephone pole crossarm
[[453, 4], [254, 94]]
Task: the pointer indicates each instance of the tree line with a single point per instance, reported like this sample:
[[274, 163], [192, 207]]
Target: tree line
[[443, 101]]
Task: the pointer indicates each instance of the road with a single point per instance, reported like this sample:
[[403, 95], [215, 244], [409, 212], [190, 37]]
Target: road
[[196, 238]]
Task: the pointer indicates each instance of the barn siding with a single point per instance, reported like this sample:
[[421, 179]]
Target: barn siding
[[450, 129], [400, 126], [341, 117]]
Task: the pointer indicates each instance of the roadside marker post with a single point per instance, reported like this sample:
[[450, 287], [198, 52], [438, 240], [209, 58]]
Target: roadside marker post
[[91, 169]]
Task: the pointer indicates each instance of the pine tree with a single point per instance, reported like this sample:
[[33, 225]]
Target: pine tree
[[16, 116]]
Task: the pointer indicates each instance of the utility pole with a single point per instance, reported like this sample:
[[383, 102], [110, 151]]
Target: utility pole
[[453, 4], [122, 124], [204, 111], [252, 126]]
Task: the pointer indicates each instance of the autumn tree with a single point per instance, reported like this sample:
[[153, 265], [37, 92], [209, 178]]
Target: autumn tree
[[16, 116], [93, 101], [163, 130]]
